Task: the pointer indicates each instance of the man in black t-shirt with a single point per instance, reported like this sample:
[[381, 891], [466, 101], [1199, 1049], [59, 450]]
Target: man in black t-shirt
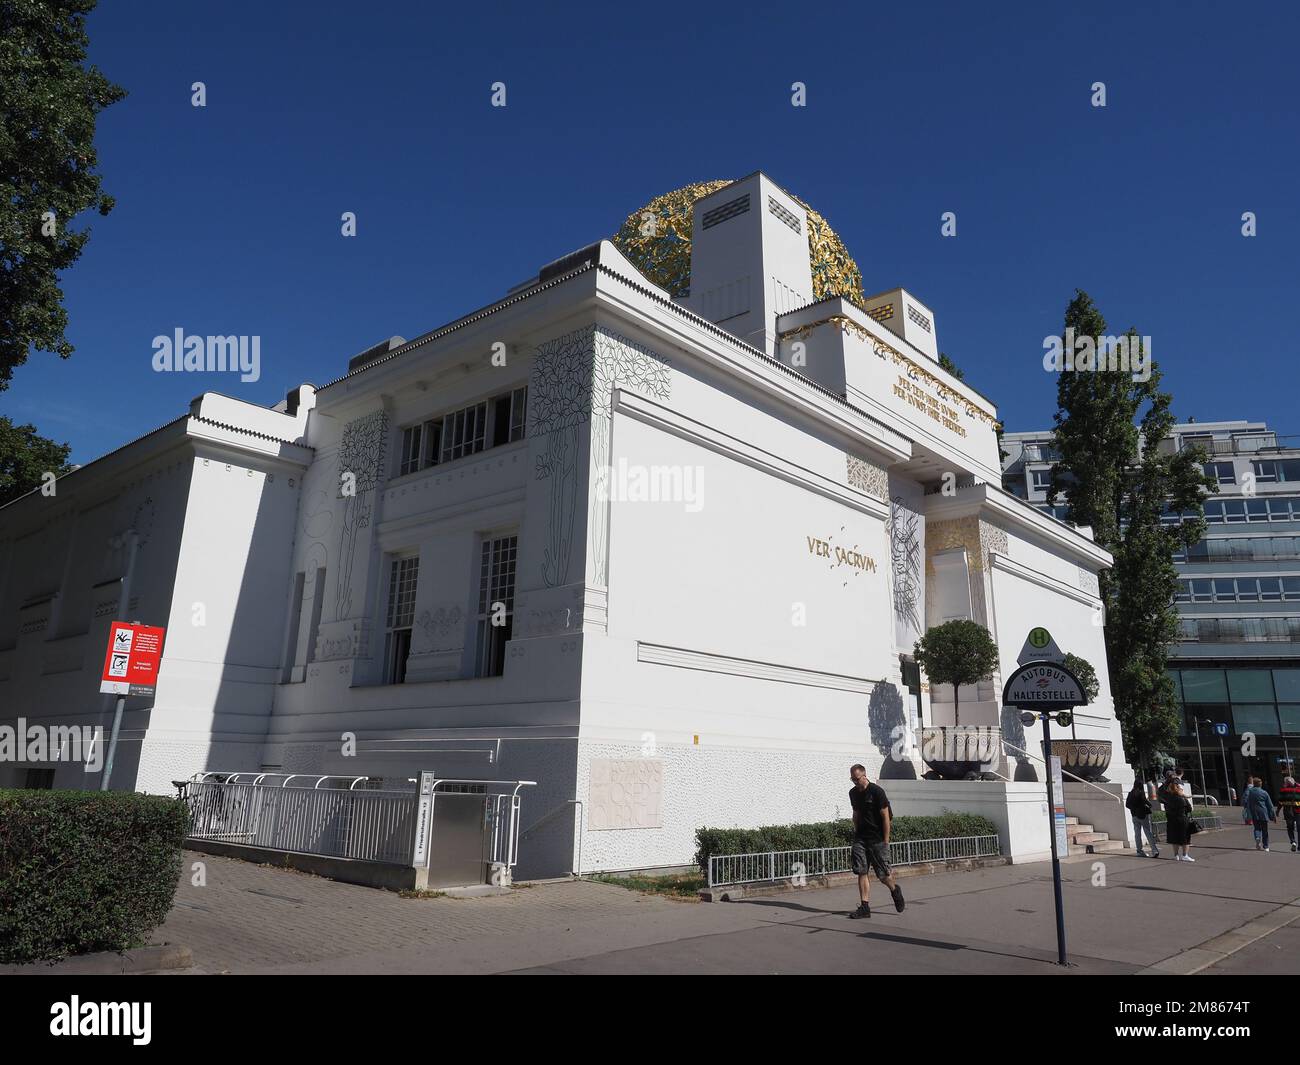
[[872, 818]]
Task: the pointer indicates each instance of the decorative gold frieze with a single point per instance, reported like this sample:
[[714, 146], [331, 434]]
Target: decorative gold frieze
[[866, 476]]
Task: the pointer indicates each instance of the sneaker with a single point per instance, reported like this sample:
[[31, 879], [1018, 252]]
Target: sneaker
[[1258, 846], [863, 910], [1178, 857], [1141, 854], [1266, 849], [1188, 858], [1293, 846], [1155, 854], [898, 899]]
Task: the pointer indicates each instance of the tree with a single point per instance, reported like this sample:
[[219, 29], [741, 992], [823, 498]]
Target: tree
[[1117, 478], [1087, 678], [957, 653], [951, 367], [49, 106], [24, 459]]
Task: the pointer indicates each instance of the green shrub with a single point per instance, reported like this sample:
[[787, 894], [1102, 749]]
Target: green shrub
[[1159, 816], [716, 841], [85, 870]]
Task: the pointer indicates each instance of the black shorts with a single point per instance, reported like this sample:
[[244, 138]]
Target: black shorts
[[871, 857]]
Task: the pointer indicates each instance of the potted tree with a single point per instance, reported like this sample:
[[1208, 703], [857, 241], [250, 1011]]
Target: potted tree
[[1088, 759], [957, 652]]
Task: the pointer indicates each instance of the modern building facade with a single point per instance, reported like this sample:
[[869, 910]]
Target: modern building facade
[[1236, 665], [658, 530]]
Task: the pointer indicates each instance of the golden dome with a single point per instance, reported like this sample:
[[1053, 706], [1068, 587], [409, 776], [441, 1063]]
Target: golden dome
[[657, 239]]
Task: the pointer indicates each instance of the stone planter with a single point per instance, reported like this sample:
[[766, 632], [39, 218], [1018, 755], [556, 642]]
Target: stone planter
[[1088, 759], [961, 752]]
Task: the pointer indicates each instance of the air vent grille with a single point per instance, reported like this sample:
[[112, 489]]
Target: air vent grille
[[724, 211], [882, 313], [784, 215], [919, 318]]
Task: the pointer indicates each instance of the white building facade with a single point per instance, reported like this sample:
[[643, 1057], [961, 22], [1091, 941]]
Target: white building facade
[[665, 554]]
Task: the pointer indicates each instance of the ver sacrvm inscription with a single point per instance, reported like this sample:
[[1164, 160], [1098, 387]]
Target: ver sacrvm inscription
[[626, 793]]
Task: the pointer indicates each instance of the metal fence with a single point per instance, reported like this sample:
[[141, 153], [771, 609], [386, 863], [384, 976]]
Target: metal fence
[[340, 822], [818, 861], [1204, 822]]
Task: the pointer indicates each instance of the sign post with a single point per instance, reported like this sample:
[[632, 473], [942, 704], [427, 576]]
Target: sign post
[[130, 668], [1046, 687]]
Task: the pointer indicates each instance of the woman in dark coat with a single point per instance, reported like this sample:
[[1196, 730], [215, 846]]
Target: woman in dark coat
[[1178, 828]]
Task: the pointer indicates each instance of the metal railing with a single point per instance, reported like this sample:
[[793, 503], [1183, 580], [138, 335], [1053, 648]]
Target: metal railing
[[1205, 823], [819, 861], [308, 818]]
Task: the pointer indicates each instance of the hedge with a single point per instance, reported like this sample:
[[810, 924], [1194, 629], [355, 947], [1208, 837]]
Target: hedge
[[83, 871], [718, 841], [1159, 817]]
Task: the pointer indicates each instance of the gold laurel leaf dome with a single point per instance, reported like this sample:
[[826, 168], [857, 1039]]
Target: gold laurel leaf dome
[[657, 240]]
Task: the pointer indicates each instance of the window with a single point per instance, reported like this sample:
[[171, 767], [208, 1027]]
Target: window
[[1265, 472], [1250, 686], [402, 577], [496, 604], [1257, 510], [1222, 472], [1234, 511], [464, 432], [409, 460], [508, 413], [1280, 509], [1225, 590], [1204, 686], [1040, 480], [489, 423], [1291, 588], [41, 779], [1247, 590], [1183, 593], [1270, 589], [1202, 591]]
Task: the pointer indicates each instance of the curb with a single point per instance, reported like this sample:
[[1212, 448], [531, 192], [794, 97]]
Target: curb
[[110, 963], [736, 892], [1213, 951]]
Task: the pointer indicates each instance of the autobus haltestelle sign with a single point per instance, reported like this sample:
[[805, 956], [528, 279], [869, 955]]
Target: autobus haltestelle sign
[[1039, 684]]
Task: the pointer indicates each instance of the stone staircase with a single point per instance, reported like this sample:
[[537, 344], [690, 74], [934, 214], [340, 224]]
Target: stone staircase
[[1092, 842]]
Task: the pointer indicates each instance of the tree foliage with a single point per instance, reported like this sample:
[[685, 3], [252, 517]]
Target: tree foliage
[[1117, 479], [957, 653], [25, 456], [48, 108]]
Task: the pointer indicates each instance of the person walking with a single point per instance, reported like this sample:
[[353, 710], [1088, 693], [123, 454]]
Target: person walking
[[1260, 807], [1289, 799], [872, 821], [1139, 806], [1178, 831]]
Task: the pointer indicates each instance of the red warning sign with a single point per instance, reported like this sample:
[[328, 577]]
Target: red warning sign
[[134, 654]]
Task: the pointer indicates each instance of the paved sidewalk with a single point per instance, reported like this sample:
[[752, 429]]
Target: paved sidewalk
[[998, 920]]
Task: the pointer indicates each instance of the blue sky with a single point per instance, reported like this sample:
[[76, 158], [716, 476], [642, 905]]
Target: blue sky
[[228, 216]]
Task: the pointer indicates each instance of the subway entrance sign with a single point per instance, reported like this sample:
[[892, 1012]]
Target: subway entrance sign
[[1043, 686]]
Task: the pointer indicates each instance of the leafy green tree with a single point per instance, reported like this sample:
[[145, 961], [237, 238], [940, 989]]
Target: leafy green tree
[[1117, 479], [1087, 678], [25, 457], [957, 653], [951, 367], [48, 108]]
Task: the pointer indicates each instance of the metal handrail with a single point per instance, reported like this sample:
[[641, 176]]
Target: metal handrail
[[1064, 771]]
